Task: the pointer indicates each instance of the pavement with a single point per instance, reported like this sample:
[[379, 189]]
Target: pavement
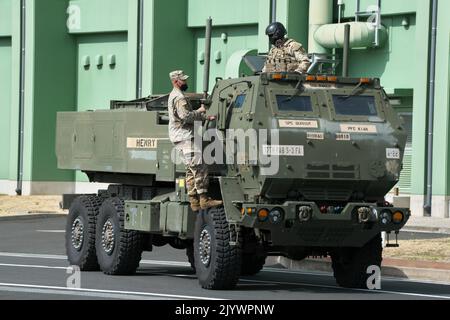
[[33, 265], [417, 228]]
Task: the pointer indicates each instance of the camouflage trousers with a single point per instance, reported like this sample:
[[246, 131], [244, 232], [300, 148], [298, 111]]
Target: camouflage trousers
[[197, 180]]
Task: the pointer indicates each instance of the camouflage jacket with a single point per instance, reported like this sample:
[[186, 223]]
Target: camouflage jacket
[[291, 57], [181, 117]]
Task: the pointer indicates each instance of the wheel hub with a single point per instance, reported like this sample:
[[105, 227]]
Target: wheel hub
[[205, 247], [108, 237], [77, 233]]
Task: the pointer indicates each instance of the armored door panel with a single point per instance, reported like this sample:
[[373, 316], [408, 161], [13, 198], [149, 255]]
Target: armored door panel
[[165, 166], [104, 135], [83, 139]]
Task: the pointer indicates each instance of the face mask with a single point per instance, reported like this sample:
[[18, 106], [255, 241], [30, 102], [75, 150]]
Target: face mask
[[184, 87]]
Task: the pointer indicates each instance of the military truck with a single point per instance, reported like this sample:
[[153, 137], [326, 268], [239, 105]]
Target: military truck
[[339, 149]]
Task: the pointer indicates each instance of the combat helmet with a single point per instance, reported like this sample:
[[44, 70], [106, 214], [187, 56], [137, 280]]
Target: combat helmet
[[275, 31]]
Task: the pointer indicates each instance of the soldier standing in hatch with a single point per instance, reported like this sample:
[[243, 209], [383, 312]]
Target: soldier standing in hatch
[[181, 133], [286, 55]]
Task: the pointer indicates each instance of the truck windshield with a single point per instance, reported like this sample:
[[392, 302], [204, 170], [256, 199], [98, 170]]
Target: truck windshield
[[355, 105], [294, 103]]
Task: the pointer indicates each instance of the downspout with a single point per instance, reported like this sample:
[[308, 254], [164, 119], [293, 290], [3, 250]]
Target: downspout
[[274, 11], [431, 101], [140, 48], [340, 4], [19, 190], [320, 13]]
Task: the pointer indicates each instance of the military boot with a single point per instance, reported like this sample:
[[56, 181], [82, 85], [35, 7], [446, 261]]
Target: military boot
[[195, 203], [206, 202]]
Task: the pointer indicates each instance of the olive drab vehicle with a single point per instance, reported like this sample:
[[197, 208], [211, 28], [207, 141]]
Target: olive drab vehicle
[[340, 147]]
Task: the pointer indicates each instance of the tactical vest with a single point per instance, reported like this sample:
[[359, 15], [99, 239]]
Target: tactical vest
[[280, 59]]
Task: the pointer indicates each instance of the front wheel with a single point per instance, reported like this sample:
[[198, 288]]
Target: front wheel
[[351, 265], [118, 250], [217, 261]]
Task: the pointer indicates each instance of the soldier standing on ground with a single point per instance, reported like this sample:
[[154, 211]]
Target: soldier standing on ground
[[181, 133], [286, 55]]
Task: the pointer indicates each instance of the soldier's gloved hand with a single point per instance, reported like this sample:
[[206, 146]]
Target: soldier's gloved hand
[[201, 109], [211, 118]]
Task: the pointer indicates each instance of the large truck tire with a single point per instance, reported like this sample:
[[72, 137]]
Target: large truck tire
[[217, 262], [80, 233], [350, 265], [252, 264], [119, 251]]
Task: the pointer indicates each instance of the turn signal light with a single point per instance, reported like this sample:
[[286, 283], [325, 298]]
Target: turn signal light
[[263, 214], [332, 79], [310, 78], [397, 217], [277, 76], [365, 80], [321, 78]]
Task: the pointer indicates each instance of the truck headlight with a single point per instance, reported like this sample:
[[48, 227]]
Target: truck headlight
[[276, 215], [385, 217]]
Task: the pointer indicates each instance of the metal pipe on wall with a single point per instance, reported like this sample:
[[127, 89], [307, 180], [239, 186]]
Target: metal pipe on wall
[[19, 187], [378, 27], [346, 51], [274, 11], [140, 49], [431, 102], [340, 4]]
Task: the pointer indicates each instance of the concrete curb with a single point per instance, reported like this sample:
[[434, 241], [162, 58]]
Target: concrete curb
[[426, 229], [402, 272], [23, 217]]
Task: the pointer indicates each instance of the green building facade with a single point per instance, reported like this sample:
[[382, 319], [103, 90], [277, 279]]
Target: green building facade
[[61, 55]]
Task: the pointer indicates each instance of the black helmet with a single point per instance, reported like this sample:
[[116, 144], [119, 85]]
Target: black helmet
[[275, 31]]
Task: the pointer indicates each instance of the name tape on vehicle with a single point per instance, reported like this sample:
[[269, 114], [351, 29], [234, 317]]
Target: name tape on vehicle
[[142, 143], [277, 150], [309, 124], [315, 136], [358, 128], [343, 137], [393, 153]]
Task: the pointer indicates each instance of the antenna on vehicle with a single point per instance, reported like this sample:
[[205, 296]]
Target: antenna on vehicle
[[207, 57]]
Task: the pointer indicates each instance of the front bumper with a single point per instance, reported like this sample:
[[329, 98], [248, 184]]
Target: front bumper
[[354, 226]]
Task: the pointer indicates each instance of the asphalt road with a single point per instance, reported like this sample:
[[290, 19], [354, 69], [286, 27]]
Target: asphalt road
[[33, 266]]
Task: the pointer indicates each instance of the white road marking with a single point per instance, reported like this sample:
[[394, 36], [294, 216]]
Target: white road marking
[[185, 264], [81, 294], [51, 231], [34, 256], [32, 266], [74, 290]]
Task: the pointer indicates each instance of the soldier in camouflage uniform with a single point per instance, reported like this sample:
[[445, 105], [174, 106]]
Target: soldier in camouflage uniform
[[286, 55], [181, 133]]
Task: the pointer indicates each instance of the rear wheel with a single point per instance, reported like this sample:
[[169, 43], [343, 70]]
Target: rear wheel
[[350, 265], [119, 251], [217, 262], [80, 232]]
